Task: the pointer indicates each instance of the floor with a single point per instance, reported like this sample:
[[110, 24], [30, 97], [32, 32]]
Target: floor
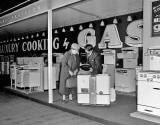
[[115, 114], [15, 110]]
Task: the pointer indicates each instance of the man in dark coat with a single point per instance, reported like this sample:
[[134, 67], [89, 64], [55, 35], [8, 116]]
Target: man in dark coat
[[69, 66], [93, 59]]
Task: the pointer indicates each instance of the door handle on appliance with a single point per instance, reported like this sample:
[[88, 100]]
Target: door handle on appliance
[[148, 110], [156, 88]]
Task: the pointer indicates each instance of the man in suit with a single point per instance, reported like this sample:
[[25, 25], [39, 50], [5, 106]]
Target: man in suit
[[93, 59]]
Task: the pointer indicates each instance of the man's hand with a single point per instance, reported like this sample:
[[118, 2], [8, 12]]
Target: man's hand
[[91, 69]]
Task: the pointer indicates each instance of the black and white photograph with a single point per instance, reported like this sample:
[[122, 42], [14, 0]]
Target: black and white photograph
[[80, 62]]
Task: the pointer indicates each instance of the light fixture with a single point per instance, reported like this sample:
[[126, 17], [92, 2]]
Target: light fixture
[[80, 27], [32, 36], [71, 29], [102, 23], [43, 34], [63, 30], [55, 31], [115, 21], [14, 39], [129, 18], [27, 37], [90, 25], [37, 35]]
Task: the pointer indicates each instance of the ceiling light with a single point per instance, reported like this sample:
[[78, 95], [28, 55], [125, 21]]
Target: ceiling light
[[43, 34], [115, 21], [90, 25], [102, 23], [80, 27], [63, 30], [129, 18], [14, 39], [27, 37], [55, 31], [71, 29], [37, 35]]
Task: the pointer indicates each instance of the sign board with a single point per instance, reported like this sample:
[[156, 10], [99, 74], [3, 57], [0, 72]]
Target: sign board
[[155, 19]]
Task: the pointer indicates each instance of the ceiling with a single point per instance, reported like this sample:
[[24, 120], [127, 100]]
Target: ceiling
[[85, 11], [8, 6]]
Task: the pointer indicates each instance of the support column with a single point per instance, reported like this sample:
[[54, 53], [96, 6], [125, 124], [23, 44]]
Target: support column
[[50, 80]]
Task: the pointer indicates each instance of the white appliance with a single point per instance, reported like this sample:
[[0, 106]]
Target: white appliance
[[20, 60], [109, 56], [58, 56], [130, 63], [154, 58], [13, 75], [6, 68], [2, 67], [28, 78], [130, 52], [93, 90], [45, 83], [57, 66], [138, 69], [130, 57], [125, 80], [110, 70], [20, 74], [148, 92], [154, 62]]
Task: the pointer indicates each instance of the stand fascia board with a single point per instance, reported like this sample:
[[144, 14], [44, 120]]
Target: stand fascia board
[[34, 9]]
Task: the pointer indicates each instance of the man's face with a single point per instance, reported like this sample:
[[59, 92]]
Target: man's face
[[88, 52]]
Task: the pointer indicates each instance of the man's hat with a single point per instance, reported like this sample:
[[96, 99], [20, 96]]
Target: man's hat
[[75, 46], [88, 47]]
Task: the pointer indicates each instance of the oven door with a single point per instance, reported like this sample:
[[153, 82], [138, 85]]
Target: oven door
[[149, 93]]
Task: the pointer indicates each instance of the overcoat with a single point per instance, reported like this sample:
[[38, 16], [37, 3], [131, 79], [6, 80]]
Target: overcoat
[[69, 62]]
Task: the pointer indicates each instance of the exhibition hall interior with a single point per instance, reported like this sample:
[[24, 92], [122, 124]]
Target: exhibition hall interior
[[36, 36]]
